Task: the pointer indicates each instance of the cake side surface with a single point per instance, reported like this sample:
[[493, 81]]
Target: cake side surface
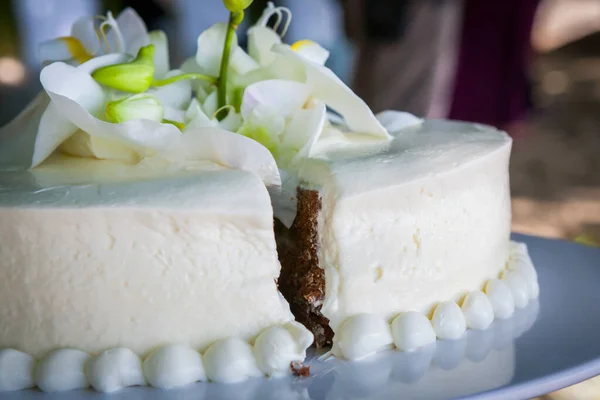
[[128, 264]]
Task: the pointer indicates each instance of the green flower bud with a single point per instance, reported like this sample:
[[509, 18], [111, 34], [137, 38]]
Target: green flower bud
[[138, 106], [132, 77], [237, 5]]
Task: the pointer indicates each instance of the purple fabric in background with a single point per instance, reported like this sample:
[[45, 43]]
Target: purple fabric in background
[[491, 83]]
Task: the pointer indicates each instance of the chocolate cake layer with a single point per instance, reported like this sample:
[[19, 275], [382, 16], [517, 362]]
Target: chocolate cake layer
[[302, 281]]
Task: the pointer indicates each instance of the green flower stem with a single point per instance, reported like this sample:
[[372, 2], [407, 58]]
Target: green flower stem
[[179, 125], [234, 20], [210, 79]]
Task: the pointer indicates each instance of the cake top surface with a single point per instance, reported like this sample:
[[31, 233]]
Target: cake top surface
[[416, 152], [76, 182]]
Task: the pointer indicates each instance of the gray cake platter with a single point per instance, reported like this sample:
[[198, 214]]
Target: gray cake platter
[[550, 344]]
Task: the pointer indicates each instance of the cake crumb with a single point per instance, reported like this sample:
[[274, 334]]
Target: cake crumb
[[299, 369]]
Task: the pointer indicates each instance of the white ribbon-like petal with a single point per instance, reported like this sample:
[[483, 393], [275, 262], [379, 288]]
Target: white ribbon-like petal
[[260, 42], [77, 86], [393, 121], [177, 94], [161, 53], [210, 48], [133, 30], [80, 99], [326, 86], [279, 97], [225, 148], [53, 129]]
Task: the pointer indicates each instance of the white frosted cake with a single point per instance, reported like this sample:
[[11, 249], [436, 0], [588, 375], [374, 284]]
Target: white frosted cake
[[140, 266], [137, 205], [415, 224]]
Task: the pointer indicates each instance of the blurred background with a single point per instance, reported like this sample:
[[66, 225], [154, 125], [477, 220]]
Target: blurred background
[[530, 67]]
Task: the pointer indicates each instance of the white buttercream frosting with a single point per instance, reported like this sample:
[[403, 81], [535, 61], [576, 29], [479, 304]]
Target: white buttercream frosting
[[501, 298], [16, 370], [412, 330], [173, 366], [161, 247], [520, 261], [230, 360], [234, 360], [115, 369], [448, 321], [517, 283], [361, 336], [276, 348], [62, 370], [478, 311]]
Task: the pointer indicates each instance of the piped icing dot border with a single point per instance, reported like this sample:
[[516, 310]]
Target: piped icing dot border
[[228, 360], [365, 334]]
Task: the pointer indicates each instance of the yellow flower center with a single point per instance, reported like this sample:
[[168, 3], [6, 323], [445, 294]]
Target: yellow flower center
[[76, 49]]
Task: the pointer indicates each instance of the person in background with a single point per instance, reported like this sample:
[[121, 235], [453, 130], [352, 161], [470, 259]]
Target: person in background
[[465, 60], [491, 83]]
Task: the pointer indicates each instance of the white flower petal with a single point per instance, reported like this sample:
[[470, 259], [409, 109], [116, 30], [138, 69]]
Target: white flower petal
[[79, 98], [63, 49], [260, 42], [312, 51], [194, 111], [83, 145], [84, 29], [133, 29], [279, 97], [55, 125], [17, 138], [177, 94], [161, 53], [304, 129], [210, 104], [103, 61], [242, 63], [198, 85], [116, 41], [232, 122], [225, 148], [326, 86], [393, 121], [174, 114], [210, 48], [54, 128], [195, 117]]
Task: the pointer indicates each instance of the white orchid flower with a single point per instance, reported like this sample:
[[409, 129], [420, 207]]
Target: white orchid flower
[[76, 117], [96, 36], [281, 115]]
